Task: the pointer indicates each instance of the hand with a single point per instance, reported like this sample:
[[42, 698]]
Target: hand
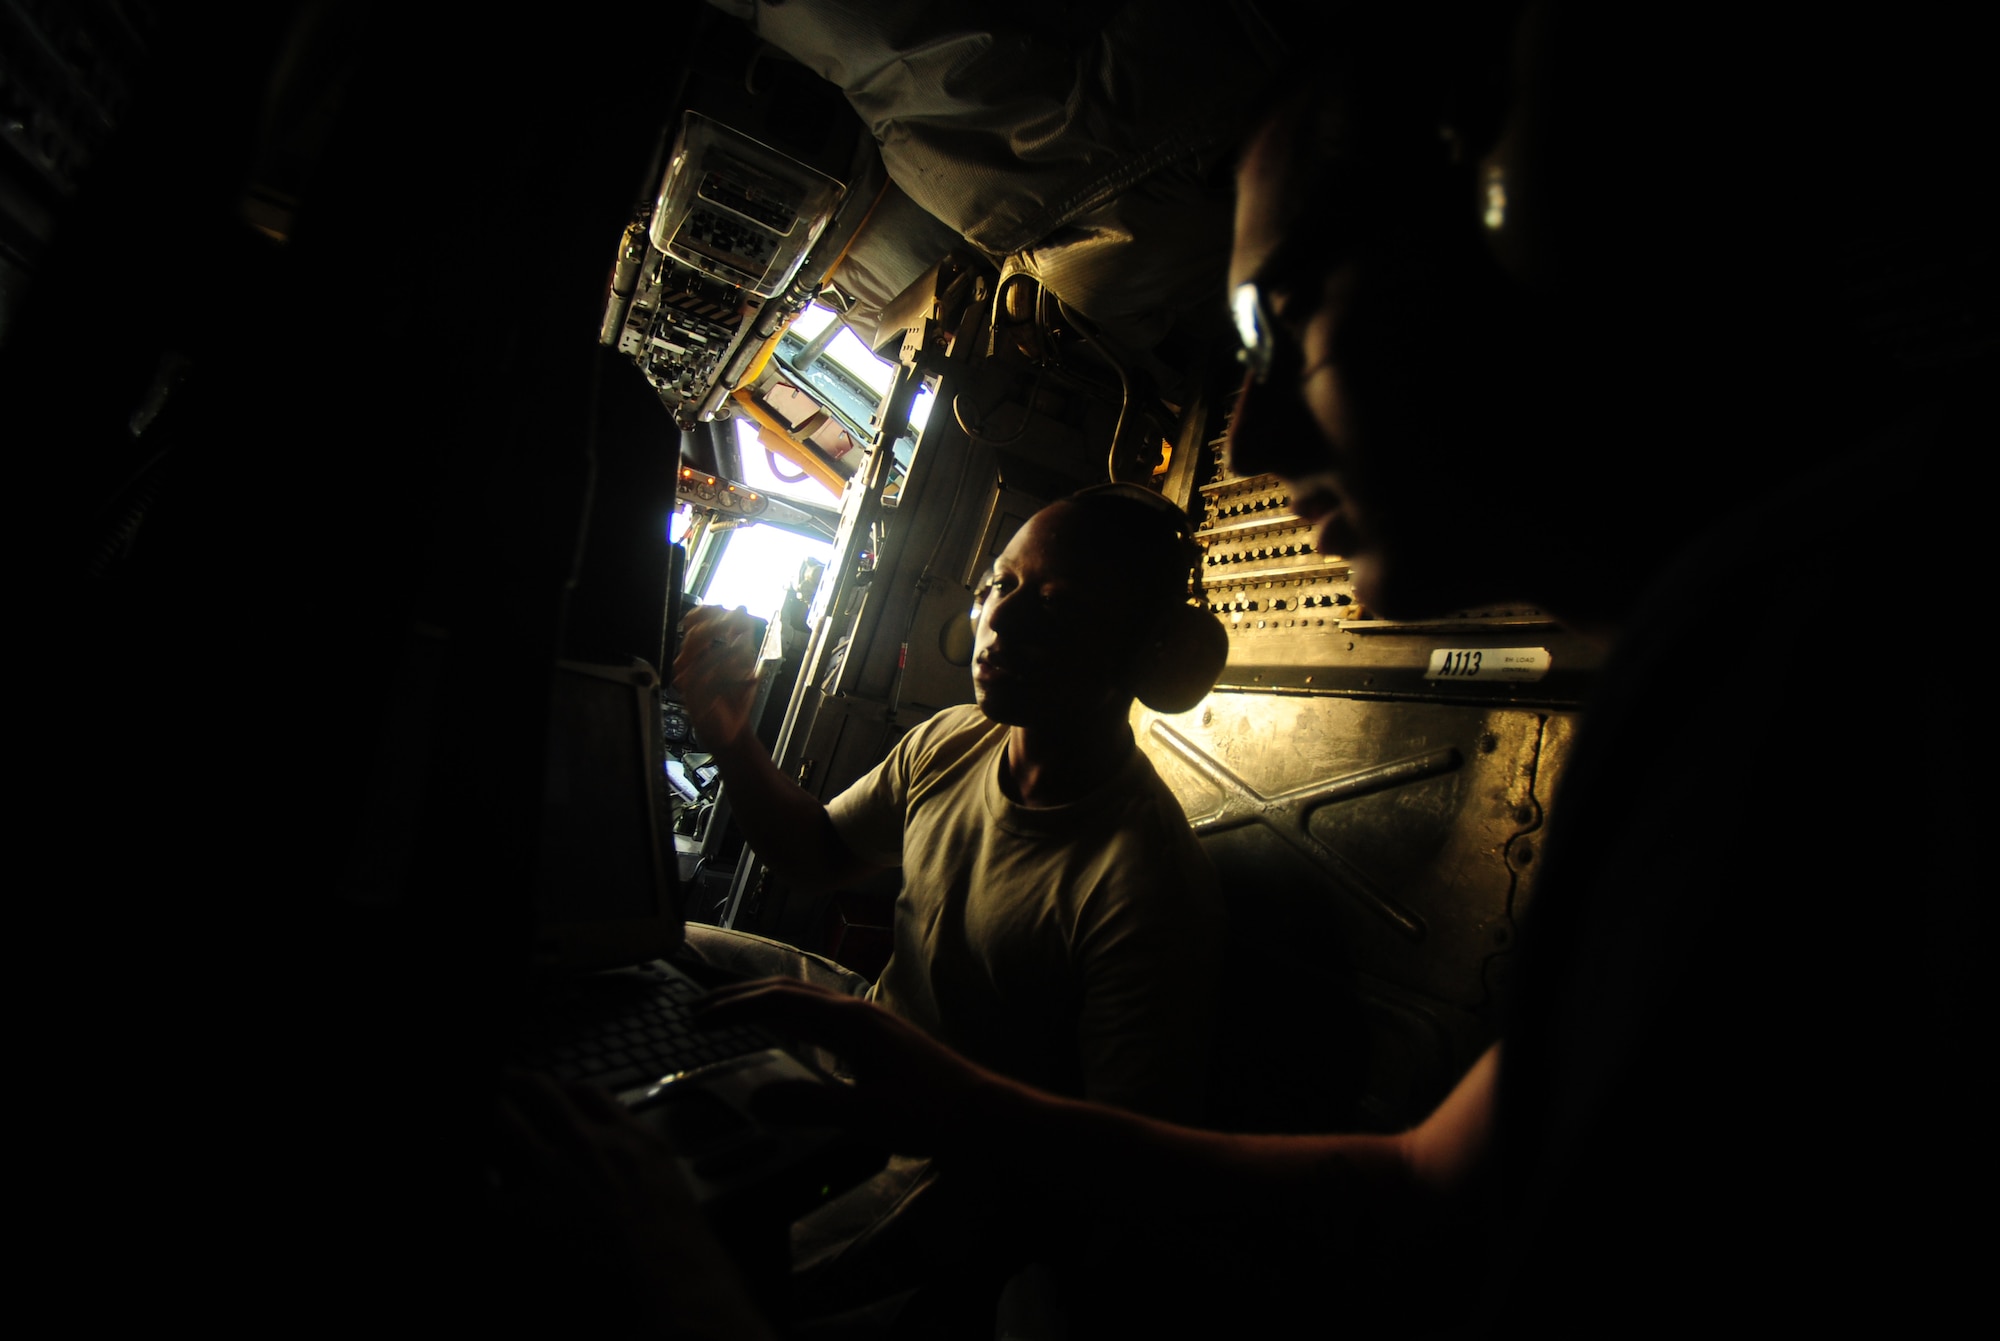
[[715, 672], [911, 1093], [606, 1190]]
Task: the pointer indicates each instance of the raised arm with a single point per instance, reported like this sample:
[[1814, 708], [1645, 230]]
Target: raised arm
[[786, 825]]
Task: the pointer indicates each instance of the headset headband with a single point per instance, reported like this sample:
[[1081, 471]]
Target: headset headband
[[1183, 527]]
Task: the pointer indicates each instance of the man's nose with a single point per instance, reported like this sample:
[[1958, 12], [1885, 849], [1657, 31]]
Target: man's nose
[[1003, 611], [1272, 431]]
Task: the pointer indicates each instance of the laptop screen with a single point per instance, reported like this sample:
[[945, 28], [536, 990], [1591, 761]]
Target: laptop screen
[[606, 894]]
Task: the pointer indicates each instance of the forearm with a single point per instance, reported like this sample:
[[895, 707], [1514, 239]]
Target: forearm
[[786, 825], [1125, 1164], [1120, 1163]]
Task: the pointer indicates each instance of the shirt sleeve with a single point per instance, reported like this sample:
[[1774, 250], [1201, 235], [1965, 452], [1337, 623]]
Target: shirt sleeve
[[869, 815]]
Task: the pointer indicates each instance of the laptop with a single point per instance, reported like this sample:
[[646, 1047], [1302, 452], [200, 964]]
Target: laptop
[[608, 1008]]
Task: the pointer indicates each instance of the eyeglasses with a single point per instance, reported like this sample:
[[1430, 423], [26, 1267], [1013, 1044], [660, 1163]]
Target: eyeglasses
[[1354, 204], [1297, 267], [1256, 328]]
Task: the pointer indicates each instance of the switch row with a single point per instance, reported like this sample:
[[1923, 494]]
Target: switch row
[[1251, 556], [1310, 602], [1249, 509]]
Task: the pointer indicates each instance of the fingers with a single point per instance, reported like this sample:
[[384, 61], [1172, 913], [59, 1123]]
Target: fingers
[[695, 620], [778, 1002], [712, 622], [758, 988], [718, 649], [910, 1091], [857, 1030]]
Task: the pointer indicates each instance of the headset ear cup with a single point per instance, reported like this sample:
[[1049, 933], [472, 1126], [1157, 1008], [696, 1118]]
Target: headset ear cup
[[1185, 663]]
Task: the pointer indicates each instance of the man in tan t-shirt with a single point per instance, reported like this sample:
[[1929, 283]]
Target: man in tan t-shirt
[[1058, 920]]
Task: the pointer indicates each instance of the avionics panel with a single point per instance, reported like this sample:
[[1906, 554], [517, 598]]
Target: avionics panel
[[1294, 621], [737, 210], [716, 264]]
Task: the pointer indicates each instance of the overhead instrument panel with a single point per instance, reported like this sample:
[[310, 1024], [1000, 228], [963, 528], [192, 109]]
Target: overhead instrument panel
[[739, 211], [679, 329], [705, 274]]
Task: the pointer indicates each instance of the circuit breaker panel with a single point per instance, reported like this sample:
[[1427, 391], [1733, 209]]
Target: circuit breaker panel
[[1294, 621]]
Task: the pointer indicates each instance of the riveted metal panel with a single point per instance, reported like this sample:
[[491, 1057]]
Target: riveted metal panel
[[1376, 856]]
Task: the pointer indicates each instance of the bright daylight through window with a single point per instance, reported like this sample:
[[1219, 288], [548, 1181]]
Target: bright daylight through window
[[760, 561]]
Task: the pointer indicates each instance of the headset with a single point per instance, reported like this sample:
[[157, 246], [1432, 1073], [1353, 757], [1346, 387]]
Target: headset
[[1186, 655]]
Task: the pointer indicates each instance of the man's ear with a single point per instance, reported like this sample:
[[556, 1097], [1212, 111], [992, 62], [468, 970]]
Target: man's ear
[[1183, 663]]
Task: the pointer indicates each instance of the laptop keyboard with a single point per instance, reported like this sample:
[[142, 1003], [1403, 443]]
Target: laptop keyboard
[[629, 1028]]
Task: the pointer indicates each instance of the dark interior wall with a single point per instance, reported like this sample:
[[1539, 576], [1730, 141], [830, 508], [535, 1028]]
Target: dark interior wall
[[294, 638], [617, 603]]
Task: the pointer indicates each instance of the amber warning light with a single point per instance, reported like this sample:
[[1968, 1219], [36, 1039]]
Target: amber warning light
[[752, 500]]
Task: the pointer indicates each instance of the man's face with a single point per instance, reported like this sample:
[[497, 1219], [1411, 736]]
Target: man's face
[[1393, 405], [1050, 637]]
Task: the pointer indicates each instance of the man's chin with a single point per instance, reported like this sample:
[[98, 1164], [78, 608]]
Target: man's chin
[[1003, 704], [998, 709], [994, 703]]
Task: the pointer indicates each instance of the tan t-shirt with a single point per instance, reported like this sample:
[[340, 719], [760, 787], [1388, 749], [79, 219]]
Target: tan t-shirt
[[1075, 947]]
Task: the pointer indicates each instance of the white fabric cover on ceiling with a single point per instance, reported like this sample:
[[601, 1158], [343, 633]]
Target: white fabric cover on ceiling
[[1079, 142]]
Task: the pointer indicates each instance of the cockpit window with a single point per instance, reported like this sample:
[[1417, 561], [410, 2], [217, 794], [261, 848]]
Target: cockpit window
[[836, 369], [765, 470], [758, 565]]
